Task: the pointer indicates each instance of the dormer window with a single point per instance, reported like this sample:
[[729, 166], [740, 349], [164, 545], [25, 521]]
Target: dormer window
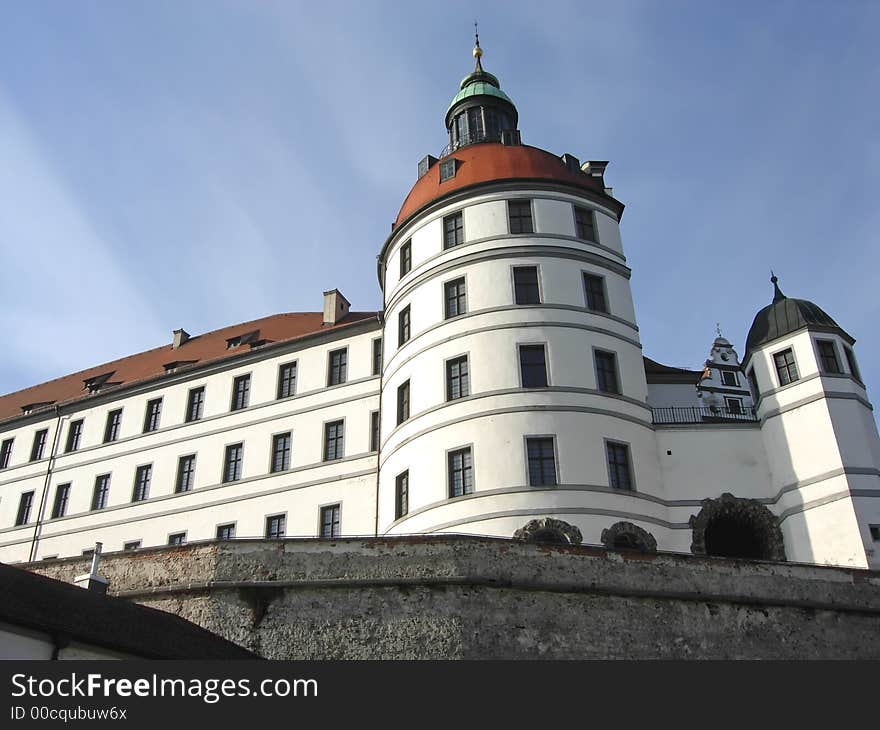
[[447, 169], [31, 407], [94, 384], [251, 338], [170, 367]]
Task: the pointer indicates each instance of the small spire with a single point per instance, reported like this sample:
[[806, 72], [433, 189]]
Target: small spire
[[718, 329], [778, 296], [478, 52]]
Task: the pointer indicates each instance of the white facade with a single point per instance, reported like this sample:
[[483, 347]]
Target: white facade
[[603, 452]]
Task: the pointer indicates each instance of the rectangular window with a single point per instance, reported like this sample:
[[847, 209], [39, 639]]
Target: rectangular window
[[333, 440], [403, 403], [195, 404], [74, 434], [734, 406], [533, 366], [728, 377], [226, 532], [594, 286], [59, 506], [23, 516], [753, 385], [232, 462], [519, 215], [186, 473], [377, 356], [584, 224], [39, 445], [405, 258], [525, 285], [133, 545], [875, 532], [618, 465], [177, 538], [786, 368], [374, 431], [153, 414], [111, 429], [542, 461], [6, 453], [241, 392], [337, 367], [606, 372], [401, 495], [287, 380], [455, 298], [280, 452], [275, 526], [460, 472], [828, 356], [453, 230], [851, 361], [403, 325], [142, 477], [330, 521], [101, 491], [457, 378]]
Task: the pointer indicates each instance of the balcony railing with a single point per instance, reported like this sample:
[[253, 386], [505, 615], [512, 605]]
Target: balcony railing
[[471, 138], [688, 414]]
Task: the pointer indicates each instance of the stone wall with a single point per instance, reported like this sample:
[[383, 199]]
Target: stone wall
[[482, 598]]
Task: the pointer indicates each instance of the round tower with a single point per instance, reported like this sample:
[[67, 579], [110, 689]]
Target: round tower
[[513, 385]]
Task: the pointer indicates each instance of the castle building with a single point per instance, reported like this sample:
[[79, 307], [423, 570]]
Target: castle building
[[501, 391]]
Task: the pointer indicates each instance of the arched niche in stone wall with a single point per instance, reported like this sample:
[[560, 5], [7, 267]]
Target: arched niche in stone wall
[[734, 527], [627, 536], [549, 531]]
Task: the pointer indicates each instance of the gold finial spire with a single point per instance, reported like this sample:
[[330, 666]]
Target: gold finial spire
[[478, 52]]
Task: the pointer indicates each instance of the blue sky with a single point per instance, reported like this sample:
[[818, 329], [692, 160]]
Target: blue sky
[[198, 164]]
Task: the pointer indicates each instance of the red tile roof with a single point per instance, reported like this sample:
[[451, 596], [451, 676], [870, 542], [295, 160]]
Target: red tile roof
[[488, 162], [198, 350]]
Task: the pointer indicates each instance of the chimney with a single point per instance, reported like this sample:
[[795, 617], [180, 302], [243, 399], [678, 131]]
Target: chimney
[[335, 307], [180, 336], [92, 581]]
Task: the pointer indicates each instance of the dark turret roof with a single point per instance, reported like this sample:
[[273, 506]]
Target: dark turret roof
[[785, 315]]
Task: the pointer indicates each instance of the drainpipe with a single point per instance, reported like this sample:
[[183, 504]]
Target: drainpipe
[[379, 439], [36, 538]]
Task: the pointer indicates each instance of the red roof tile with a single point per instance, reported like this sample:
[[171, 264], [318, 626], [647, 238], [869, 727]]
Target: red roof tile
[[200, 349]]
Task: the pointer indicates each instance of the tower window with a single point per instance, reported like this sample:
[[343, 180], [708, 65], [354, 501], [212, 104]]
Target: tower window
[[525, 285], [74, 433], [286, 380], [519, 215], [851, 361], [618, 465], [875, 532], [584, 224], [25, 502], [606, 372], [828, 356], [377, 356], [281, 452], [142, 477], [241, 392], [460, 472], [533, 366], [232, 460], [734, 406], [330, 522], [401, 495], [455, 298], [195, 404], [403, 326], [753, 384], [39, 444], [403, 403], [101, 491], [111, 429], [186, 473], [6, 453], [453, 230], [405, 258], [333, 440], [728, 377], [59, 506], [457, 378], [275, 526], [594, 287], [152, 415], [542, 461], [786, 368], [374, 431], [226, 532], [337, 368]]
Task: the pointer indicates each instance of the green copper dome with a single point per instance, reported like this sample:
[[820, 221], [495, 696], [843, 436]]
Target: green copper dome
[[478, 88]]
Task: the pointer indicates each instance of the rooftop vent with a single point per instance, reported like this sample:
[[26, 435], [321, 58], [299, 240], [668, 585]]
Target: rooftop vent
[[91, 580], [179, 337], [595, 168], [335, 306]]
